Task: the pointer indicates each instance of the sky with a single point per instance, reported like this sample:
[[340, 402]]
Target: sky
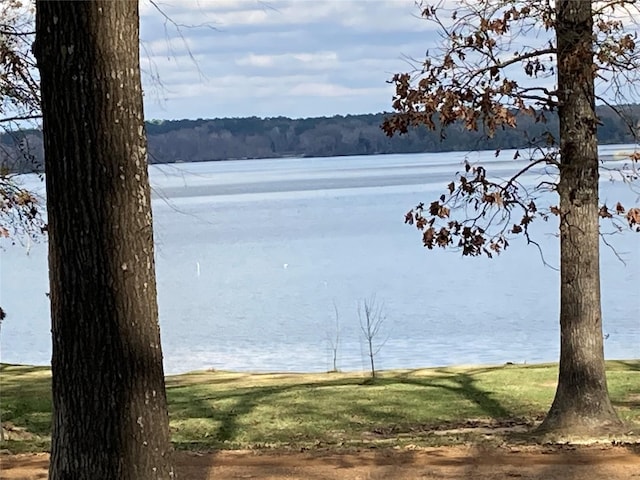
[[267, 58], [295, 58]]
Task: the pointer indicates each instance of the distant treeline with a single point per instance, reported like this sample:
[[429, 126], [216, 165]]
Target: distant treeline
[[241, 138]]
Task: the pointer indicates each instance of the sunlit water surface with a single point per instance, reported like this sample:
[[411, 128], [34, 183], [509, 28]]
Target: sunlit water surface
[[252, 257]]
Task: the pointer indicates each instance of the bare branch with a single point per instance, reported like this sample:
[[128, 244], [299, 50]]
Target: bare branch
[[371, 316], [517, 59], [18, 118]]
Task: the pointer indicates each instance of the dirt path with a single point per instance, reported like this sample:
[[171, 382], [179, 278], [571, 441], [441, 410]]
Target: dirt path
[[527, 463]]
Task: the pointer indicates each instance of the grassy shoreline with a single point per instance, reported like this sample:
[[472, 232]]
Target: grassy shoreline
[[422, 407]]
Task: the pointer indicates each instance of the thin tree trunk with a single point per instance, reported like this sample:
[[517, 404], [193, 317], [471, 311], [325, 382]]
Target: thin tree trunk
[[373, 367], [581, 404], [109, 405]]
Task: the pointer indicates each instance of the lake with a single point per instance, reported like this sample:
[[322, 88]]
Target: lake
[[254, 257]]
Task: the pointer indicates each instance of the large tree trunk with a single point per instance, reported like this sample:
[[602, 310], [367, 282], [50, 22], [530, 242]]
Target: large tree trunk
[[581, 404], [109, 405]]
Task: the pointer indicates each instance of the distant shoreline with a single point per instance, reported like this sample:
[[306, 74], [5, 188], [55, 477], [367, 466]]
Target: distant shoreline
[[221, 139]]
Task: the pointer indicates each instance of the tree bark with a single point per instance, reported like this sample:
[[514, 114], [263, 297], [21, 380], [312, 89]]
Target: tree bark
[[109, 405], [581, 405]]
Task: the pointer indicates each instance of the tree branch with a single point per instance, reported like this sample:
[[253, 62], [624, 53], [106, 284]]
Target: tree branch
[[18, 118], [519, 58]]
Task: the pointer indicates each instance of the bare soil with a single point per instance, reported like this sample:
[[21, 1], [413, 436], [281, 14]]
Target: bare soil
[[523, 463]]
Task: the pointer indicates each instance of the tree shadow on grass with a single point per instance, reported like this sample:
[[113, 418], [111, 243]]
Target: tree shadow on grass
[[626, 398], [15, 368], [632, 365], [461, 384], [25, 404], [229, 403], [229, 409], [467, 387], [632, 404], [378, 422]]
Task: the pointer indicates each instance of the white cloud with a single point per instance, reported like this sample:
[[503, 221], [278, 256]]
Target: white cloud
[[374, 14], [252, 60], [317, 58], [311, 60], [278, 57], [282, 57], [322, 89]]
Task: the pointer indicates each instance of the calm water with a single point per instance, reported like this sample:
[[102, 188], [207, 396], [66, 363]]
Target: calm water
[[253, 255]]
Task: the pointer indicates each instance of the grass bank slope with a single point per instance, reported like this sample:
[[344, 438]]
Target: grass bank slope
[[233, 410]]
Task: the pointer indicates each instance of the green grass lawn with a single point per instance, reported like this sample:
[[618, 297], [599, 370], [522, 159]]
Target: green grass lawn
[[243, 410]]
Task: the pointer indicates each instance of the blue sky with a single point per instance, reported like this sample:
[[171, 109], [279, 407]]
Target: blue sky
[[297, 58]]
